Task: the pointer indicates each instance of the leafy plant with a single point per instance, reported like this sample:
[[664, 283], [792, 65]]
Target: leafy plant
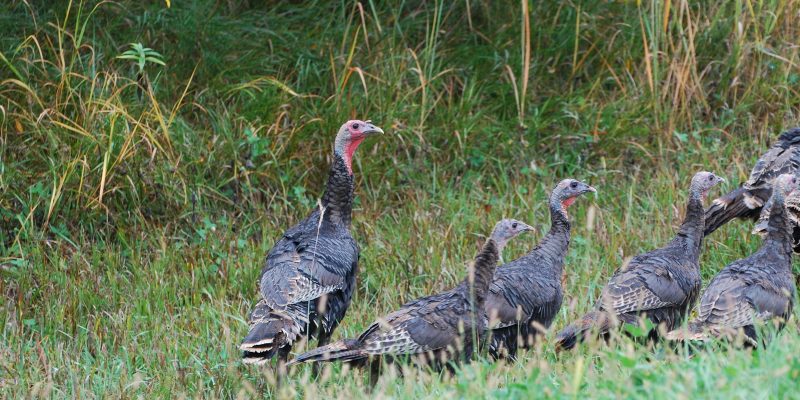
[[142, 56]]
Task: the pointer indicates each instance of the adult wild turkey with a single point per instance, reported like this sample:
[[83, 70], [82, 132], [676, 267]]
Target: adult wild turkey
[[748, 200], [661, 285], [433, 329], [759, 287], [310, 273], [526, 293]]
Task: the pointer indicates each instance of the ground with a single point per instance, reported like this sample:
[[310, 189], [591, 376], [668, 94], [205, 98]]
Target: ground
[[138, 201]]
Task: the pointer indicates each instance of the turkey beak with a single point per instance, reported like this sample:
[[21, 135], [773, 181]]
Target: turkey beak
[[527, 228], [372, 130]]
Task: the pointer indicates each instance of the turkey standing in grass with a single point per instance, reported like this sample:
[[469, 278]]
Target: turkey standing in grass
[[759, 287], [526, 293], [310, 273], [433, 329], [661, 285], [748, 201]]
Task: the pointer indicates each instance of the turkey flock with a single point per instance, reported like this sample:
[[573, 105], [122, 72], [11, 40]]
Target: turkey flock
[[309, 278]]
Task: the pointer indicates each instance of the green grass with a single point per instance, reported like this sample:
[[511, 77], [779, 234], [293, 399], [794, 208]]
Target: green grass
[[133, 223]]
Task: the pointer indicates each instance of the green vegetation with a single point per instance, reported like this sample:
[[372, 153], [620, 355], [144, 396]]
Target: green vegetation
[[135, 212]]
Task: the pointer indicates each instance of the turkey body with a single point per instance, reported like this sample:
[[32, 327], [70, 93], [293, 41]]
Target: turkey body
[[661, 285], [309, 277], [526, 294], [433, 329], [760, 287], [522, 304], [757, 288], [749, 200], [436, 329]]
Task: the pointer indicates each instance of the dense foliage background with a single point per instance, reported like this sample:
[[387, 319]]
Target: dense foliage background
[[138, 200]]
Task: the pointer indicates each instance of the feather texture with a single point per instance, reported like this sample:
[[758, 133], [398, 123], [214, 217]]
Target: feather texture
[[442, 326], [661, 285], [760, 287], [749, 200], [526, 294], [434, 329], [309, 276]]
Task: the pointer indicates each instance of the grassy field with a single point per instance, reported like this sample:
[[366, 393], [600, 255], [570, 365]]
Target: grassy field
[[137, 203]]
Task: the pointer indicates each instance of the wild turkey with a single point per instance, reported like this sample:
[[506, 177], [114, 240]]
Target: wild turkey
[[759, 287], [310, 273], [526, 293], [748, 200], [433, 329], [660, 285], [792, 205]]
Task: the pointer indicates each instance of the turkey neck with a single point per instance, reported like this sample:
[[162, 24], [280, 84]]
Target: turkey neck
[[482, 273], [690, 233], [555, 243], [778, 232], [338, 197]]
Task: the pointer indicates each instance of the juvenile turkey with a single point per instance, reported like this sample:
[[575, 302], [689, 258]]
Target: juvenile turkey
[[433, 329], [748, 200], [759, 287], [526, 293], [661, 285], [310, 273], [792, 205]]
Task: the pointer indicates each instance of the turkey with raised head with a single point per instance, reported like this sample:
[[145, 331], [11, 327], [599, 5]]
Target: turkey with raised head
[[434, 329], [760, 287], [310, 274], [661, 285], [526, 293], [748, 200]]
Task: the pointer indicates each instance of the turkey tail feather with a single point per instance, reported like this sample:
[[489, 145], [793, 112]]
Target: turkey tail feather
[[697, 332], [266, 337], [694, 332], [736, 204], [342, 350], [572, 334]]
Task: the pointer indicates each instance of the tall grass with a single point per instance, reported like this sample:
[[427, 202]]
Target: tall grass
[[132, 228]]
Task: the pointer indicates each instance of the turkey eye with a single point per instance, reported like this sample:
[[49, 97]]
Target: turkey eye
[[514, 225], [573, 185], [355, 126]]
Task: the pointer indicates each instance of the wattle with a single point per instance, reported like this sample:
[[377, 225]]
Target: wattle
[[349, 150]]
